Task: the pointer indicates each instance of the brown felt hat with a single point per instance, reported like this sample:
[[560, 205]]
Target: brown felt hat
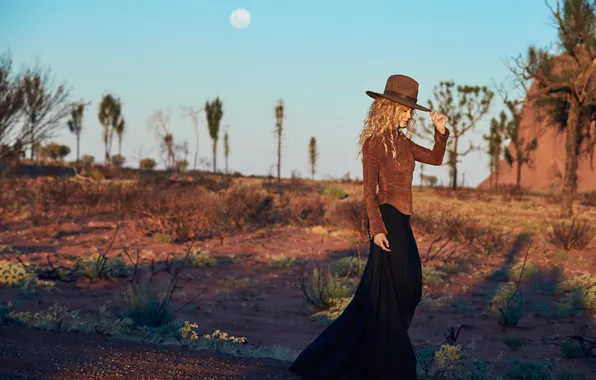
[[400, 89]]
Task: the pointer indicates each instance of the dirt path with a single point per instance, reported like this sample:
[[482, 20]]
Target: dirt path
[[34, 354]]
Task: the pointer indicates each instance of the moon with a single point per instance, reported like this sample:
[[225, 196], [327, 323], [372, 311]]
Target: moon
[[240, 18]]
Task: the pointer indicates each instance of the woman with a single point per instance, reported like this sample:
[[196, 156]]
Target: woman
[[370, 340]]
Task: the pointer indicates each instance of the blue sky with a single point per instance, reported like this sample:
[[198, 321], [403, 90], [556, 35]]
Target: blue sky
[[319, 56]]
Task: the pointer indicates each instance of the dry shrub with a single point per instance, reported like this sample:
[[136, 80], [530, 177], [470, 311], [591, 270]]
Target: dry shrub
[[60, 199], [489, 240], [575, 235], [302, 209], [60, 190], [511, 192], [464, 194], [91, 198], [290, 187], [97, 198], [462, 227], [443, 228], [589, 199], [49, 198], [349, 213], [423, 223], [444, 192], [483, 195], [554, 197], [445, 223], [145, 300], [11, 192], [180, 213], [468, 233], [219, 184], [247, 205]]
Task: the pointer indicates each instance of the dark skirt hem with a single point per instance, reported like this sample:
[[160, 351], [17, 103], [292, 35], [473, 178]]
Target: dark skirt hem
[[370, 340]]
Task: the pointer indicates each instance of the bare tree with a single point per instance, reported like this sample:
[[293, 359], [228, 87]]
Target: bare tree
[[11, 107], [193, 114], [312, 156], [158, 122], [184, 149], [45, 104], [464, 108], [568, 77]]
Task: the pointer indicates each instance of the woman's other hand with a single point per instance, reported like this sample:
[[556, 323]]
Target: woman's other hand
[[381, 240]]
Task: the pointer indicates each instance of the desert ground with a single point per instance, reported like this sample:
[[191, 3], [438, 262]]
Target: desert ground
[[227, 277]]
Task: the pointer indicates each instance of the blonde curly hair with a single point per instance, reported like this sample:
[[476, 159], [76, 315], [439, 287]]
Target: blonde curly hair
[[384, 115]]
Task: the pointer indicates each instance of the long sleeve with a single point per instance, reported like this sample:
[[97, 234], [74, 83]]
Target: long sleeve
[[434, 156], [371, 160]]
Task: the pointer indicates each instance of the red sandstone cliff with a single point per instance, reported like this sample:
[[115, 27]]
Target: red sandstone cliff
[[549, 158]]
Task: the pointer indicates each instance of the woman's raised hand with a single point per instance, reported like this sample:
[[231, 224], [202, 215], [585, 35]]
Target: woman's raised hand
[[439, 120]]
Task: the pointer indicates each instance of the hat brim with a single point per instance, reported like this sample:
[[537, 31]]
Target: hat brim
[[375, 95]]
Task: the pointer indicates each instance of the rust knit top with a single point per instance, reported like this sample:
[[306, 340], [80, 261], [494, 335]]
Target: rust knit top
[[394, 176]]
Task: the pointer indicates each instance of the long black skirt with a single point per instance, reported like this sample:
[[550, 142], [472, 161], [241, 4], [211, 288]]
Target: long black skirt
[[370, 340]]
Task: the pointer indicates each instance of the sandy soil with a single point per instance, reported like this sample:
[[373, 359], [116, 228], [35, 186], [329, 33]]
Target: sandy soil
[[34, 354], [244, 295]]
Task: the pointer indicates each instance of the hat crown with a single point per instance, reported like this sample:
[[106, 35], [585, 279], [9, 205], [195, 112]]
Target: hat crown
[[400, 89], [402, 85]]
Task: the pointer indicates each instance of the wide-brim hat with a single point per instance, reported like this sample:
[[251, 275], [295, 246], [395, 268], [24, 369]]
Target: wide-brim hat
[[400, 89]]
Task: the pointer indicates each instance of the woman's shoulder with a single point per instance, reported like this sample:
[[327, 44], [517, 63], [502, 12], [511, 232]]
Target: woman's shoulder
[[374, 140]]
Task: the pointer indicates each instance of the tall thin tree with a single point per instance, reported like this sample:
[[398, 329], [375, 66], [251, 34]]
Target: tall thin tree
[[214, 111], [118, 125], [193, 114], [495, 146], [522, 147], [312, 156], [569, 75], [226, 142], [75, 124], [464, 107], [120, 128], [279, 118]]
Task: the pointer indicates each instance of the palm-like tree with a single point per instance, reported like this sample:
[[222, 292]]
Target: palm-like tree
[[279, 117], [226, 142], [75, 124], [109, 116], [312, 156], [214, 113], [119, 128]]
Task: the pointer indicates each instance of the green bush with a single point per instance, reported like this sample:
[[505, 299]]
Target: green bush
[[16, 275]]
